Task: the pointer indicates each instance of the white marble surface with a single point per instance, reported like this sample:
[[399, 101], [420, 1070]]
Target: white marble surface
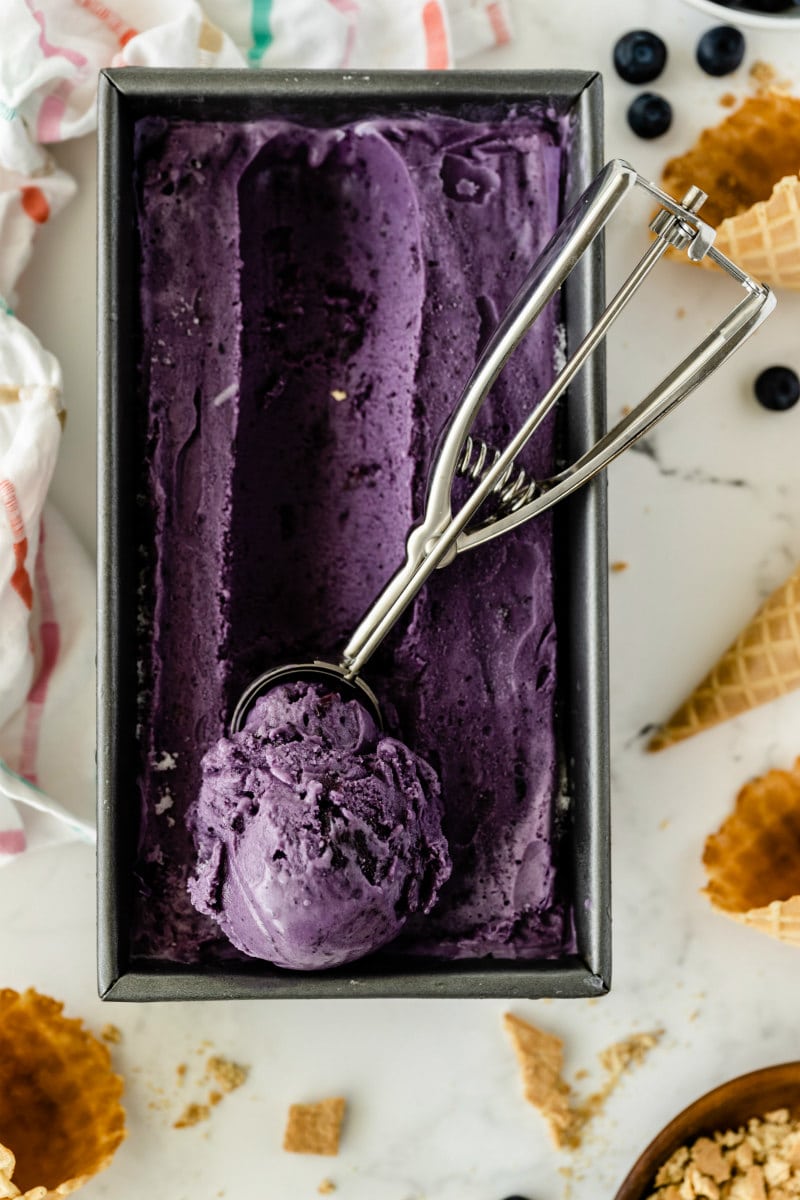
[[709, 522]]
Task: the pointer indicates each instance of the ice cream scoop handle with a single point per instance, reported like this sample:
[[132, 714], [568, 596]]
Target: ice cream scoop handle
[[434, 542]]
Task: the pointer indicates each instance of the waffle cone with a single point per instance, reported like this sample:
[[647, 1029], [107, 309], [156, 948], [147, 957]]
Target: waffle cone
[[762, 664], [749, 165], [753, 860], [60, 1116]]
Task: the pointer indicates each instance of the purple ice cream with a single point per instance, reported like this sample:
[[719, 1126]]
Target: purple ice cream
[[312, 301], [317, 838]]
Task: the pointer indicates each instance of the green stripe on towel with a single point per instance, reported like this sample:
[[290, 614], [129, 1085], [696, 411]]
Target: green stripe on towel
[[262, 34]]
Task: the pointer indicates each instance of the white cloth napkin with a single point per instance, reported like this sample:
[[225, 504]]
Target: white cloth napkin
[[50, 55]]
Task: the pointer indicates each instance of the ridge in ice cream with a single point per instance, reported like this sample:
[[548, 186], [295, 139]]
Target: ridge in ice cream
[[317, 837], [312, 299]]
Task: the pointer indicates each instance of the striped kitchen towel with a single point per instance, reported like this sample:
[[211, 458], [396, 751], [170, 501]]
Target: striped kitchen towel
[[50, 55]]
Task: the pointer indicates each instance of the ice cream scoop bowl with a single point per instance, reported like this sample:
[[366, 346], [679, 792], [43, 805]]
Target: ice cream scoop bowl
[[333, 674], [512, 498]]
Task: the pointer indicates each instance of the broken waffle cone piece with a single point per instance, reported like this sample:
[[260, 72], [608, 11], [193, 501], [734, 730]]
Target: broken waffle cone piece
[[60, 1116], [753, 860], [749, 165], [762, 664]]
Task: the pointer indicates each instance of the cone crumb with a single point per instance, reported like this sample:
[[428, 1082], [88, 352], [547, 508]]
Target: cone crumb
[[315, 1128], [541, 1059], [759, 1161], [111, 1034], [326, 1187], [727, 99], [180, 1073], [193, 1114], [618, 566], [753, 860]]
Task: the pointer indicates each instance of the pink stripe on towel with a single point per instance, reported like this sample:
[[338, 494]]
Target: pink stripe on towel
[[50, 636], [20, 579], [349, 9], [435, 36], [12, 841], [47, 48]]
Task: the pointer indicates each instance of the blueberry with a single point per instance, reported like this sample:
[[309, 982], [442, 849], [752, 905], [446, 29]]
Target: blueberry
[[650, 115], [720, 50], [777, 388], [639, 56]]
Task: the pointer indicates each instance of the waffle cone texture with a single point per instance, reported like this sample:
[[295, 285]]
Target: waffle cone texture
[[753, 860], [749, 165], [761, 665], [60, 1115]]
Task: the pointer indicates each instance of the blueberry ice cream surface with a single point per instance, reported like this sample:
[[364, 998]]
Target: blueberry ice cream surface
[[312, 299]]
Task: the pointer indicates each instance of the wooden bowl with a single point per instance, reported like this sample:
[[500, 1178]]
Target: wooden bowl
[[726, 1107]]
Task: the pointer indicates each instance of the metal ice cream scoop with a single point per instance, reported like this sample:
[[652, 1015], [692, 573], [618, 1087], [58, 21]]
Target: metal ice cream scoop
[[441, 534]]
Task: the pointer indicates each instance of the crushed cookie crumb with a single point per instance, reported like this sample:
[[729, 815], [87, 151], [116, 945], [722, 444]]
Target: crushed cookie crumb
[[728, 99], [615, 1061], [338, 395], [326, 1187], [759, 1161], [193, 1114], [315, 1128], [222, 1077], [111, 1034], [619, 565], [541, 1058], [763, 74], [226, 1074], [766, 79], [680, 313], [630, 1051]]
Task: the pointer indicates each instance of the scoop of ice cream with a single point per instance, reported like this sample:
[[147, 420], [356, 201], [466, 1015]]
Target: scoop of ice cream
[[316, 836]]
